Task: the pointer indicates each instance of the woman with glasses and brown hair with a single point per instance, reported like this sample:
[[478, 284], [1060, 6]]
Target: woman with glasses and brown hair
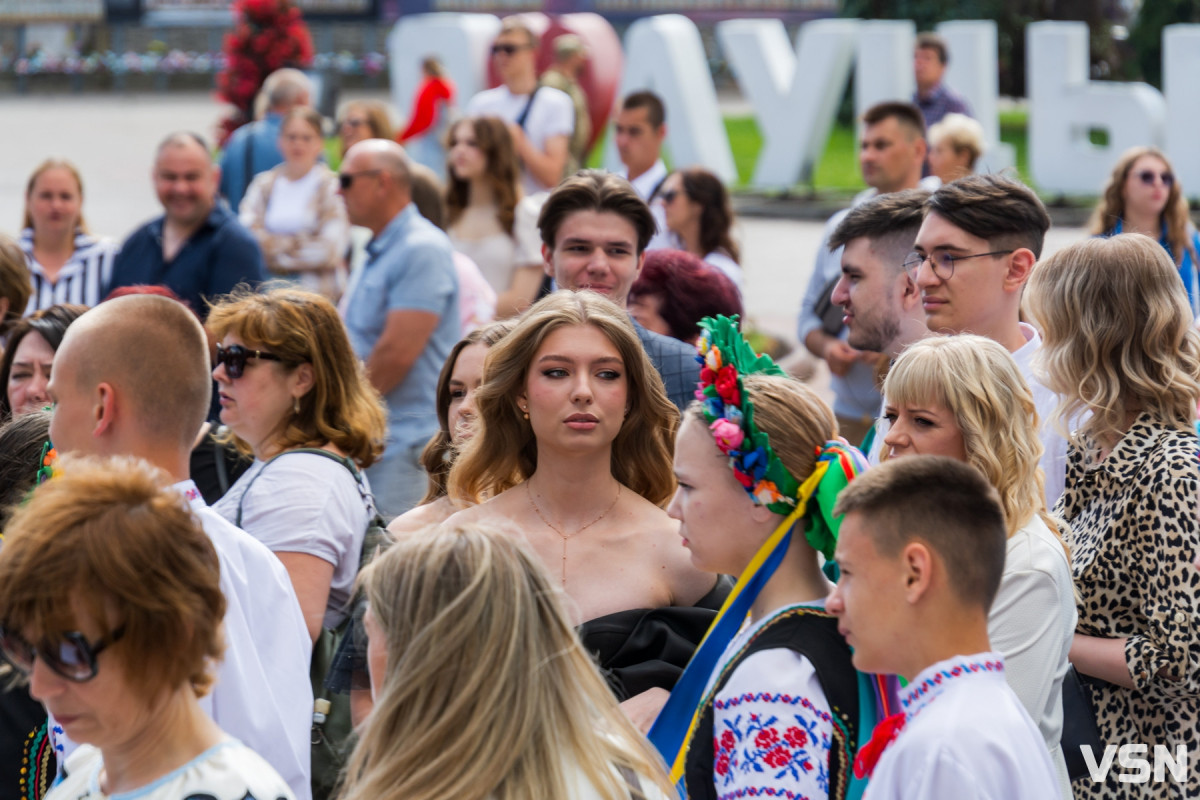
[[698, 212], [364, 119], [1143, 195], [120, 643], [294, 396]]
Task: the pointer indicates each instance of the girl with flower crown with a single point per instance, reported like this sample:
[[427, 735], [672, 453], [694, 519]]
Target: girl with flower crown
[[778, 710]]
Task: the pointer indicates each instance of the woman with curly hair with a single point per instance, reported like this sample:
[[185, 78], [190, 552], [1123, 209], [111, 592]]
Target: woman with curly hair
[[295, 397], [698, 212], [963, 397], [1119, 349], [482, 690], [488, 219], [1143, 195], [573, 449]]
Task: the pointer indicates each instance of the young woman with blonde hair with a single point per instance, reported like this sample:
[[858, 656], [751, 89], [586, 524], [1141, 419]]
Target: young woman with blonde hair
[[1143, 195], [1119, 348], [963, 397], [482, 690], [573, 448]]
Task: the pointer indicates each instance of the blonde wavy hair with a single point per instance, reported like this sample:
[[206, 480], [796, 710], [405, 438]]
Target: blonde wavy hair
[[503, 451], [488, 692], [1117, 335], [1110, 209], [343, 408], [978, 381]]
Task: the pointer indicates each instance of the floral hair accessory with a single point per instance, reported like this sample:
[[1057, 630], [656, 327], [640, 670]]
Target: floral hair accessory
[[726, 358], [49, 463]]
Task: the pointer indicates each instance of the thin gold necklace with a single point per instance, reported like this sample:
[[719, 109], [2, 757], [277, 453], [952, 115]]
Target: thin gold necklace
[[563, 536]]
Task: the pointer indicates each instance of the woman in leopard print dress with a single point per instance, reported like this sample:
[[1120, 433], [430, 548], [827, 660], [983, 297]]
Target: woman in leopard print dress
[[1120, 349]]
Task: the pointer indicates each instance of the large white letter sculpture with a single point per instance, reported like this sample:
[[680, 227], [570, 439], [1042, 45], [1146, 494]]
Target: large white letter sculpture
[[884, 68], [461, 41], [1181, 83], [795, 93], [665, 54], [1064, 106], [974, 73]]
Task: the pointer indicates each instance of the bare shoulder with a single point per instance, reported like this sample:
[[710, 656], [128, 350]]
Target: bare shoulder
[[660, 534], [422, 517], [499, 509]]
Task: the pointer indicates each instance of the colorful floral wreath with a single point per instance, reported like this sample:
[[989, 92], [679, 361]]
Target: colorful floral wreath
[[49, 464], [726, 357]]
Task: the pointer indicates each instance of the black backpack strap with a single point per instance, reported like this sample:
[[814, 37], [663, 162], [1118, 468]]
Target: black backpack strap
[[524, 115], [812, 633]]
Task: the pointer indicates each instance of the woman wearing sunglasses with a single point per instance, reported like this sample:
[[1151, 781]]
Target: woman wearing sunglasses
[[1143, 195], [295, 397], [120, 643], [696, 205]]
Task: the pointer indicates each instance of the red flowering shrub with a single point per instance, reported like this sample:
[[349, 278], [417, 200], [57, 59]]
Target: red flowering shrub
[[267, 35]]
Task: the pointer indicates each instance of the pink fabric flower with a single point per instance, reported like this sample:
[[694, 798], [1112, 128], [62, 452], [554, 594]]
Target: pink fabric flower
[[728, 435]]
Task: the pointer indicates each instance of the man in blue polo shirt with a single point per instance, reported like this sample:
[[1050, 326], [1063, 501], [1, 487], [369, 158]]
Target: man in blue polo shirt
[[197, 248], [401, 312]]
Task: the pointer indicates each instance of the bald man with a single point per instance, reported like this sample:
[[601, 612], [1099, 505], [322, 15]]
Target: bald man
[[133, 380], [401, 312]]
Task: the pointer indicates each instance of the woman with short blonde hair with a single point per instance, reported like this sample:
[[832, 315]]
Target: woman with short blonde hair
[[471, 646], [1119, 348], [955, 143], [963, 396]]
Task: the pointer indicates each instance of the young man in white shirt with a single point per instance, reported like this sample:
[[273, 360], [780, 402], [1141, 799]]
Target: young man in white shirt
[[541, 119], [976, 249], [640, 131], [921, 551]]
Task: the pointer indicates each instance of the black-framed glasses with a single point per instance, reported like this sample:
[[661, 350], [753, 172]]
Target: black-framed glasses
[[71, 655], [346, 179], [235, 357], [1147, 176], [942, 262], [507, 49]]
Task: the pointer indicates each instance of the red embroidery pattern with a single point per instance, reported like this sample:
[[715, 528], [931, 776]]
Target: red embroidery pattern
[[769, 750], [914, 693]]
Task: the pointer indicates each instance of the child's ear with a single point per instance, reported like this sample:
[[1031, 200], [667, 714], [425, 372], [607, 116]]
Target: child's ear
[[918, 564]]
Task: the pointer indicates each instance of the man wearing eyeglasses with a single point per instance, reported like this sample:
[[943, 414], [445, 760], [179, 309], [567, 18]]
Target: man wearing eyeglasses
[[541, 118], [976, 249], [401, 311]]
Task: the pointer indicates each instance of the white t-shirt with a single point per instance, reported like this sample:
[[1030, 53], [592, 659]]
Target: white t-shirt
[[226, 771], [289, 210], [1032, 622], [727, 265], [552, 114], [499, 255], [305, 503], [770, 719]]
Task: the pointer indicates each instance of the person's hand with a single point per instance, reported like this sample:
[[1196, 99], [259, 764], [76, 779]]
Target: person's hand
[[840, 356], [643, 709]]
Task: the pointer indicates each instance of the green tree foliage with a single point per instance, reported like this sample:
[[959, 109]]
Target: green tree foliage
[[1145, 38]]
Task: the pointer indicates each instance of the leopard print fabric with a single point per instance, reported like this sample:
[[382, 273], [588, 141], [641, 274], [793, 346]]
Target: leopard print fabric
[[1134, 534]]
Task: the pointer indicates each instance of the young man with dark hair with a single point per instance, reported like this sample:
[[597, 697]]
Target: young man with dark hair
[[595, 230], [921, 551], [934, 98], [976, 249], [640, 131], [891, 154]]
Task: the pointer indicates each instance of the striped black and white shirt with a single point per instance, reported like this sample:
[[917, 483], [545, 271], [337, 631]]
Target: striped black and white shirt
[[84, 279]]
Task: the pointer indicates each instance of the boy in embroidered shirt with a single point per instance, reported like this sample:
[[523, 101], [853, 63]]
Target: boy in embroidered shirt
[[921, 552]]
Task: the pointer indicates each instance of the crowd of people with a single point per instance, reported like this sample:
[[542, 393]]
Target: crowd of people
[[979, 560]]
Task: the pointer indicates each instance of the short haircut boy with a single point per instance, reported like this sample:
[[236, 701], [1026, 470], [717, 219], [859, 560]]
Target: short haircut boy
[[596, 190], [907, 115], [944, 503], [932, 41], [656, 113], [999, 209]]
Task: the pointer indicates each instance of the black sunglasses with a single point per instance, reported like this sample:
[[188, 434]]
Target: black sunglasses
[[1147, 177], [346, 179], [72, 656], [235, 356], [507, 49]]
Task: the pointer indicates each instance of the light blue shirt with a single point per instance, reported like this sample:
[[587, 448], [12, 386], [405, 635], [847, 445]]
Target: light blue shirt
[[409, 267]]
